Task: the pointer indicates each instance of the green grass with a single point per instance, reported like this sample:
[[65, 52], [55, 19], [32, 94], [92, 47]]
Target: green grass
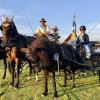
[[87, 88]]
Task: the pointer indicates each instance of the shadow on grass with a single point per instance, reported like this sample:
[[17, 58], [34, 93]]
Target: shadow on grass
[[69, 92]]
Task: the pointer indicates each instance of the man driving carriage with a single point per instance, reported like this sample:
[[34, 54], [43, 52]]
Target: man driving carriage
[[80, 40], [43, 29]]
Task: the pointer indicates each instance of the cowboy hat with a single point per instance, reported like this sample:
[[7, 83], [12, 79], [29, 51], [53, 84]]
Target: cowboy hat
[[42, 20]]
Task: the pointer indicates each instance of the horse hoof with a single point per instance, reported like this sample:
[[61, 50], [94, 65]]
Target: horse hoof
[[10, 86], [3, 77], [1, 93], [63, 85], [55, 95], [73, 86], [12, 83], [44, 94], [15, 88], [28, 78]]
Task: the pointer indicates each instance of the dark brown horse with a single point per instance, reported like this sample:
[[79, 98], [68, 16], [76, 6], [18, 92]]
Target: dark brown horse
[[14, 42], [44, 50]]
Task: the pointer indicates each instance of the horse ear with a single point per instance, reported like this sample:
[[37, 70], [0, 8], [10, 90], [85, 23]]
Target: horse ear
[[11, 19], [3, 18]]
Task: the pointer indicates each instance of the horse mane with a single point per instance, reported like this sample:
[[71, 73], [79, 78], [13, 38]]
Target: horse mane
[[15, 31], [43, 44], [16, 34]]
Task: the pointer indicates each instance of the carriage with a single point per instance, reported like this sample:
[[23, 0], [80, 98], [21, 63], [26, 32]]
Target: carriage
[[93, 62], [94, 54]]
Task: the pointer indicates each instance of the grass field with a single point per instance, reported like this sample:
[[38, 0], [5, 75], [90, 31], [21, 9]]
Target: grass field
[[87, 88]]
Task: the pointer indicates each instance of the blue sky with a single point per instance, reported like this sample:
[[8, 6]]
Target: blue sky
[[56, 12]]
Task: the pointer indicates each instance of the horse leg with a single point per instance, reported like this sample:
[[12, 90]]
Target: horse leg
[[45, 92], [58, 67], [54, 84], [73, 79], [18, 71], [30, 72], [5, 68], [37, 77], [64, 78], [9, 67], [12, 72]]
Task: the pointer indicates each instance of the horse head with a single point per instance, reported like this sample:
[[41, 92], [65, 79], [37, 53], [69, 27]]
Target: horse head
[[8, 28]]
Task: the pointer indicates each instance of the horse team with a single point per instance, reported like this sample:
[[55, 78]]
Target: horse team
[[39, 52]]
